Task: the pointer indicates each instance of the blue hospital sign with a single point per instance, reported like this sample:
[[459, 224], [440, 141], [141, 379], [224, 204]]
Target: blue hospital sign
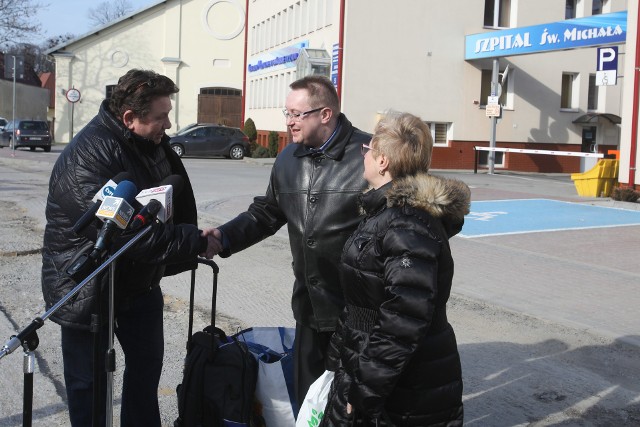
[[597, 30]]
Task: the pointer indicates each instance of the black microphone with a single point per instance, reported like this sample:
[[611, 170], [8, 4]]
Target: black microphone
[[116, 211], [106, 190], [146, 214]]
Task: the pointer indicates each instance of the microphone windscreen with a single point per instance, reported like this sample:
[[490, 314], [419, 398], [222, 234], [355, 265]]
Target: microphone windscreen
[[122, 176], [126, 190], [153, 207], [174, 180]]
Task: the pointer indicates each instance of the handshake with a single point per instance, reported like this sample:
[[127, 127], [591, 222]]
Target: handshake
[[214, 243]]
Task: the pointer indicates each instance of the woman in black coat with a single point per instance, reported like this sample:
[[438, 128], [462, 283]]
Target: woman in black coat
[[394, 352]]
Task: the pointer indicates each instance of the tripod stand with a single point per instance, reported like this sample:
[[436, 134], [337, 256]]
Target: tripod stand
[[28, 337]]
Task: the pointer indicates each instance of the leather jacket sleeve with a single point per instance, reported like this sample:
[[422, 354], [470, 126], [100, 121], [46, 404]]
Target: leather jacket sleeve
[[262, 219]]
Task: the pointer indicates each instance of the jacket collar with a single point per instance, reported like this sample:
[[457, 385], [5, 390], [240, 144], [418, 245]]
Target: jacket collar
[[117, 127], [446, 199], [373, 201], [336, 146], [112, 122]]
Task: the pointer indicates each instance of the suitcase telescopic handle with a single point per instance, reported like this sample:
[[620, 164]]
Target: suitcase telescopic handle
[[214, 293]]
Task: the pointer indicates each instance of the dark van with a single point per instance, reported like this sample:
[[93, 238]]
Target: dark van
[[29, 133]]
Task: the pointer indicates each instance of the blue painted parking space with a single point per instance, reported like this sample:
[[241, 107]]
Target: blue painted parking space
[[500, 217]]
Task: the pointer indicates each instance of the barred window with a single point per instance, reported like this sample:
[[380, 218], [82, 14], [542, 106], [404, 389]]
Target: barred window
[[439, 133]]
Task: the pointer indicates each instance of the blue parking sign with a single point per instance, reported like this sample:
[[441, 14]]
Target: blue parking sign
[[607, 58]]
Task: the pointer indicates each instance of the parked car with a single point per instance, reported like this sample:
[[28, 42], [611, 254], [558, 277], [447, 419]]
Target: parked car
[[211, 140], [3, 123], [29, 133], [187, 128]]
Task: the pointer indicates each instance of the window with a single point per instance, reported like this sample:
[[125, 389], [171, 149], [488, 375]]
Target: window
[[569, 92], [199, 133], [596, 7], [498, 160], [439, 133], [279, 21], [109, 91], [592, 97], [497, 13], [220, 91], [290, 23], [320, 13], [305, 16], [297, 11], [570, 9], [329, 12]]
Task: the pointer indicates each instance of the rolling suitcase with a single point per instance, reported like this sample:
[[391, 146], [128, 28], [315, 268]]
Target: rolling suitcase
[[219, 376]]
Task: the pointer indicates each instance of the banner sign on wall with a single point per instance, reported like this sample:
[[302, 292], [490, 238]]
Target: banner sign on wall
[[276, 59], [593, 30], [334, 64]]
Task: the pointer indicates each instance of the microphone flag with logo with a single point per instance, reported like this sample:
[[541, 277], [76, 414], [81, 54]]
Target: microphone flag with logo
[[170, 186], [116, 211], [107, 190]]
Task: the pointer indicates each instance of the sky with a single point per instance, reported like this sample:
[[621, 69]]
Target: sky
[[70, 16]]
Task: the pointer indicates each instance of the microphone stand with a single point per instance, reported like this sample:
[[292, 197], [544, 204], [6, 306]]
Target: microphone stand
[[110, 359], [28, 337]]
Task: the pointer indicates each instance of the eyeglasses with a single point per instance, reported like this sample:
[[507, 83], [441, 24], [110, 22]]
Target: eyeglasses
[[296, 117], [366, 148]]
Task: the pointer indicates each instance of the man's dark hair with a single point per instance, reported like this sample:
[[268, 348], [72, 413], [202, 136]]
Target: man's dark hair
[[137, 89], [322, 92]]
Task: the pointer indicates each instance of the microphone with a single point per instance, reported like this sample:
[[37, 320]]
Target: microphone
[[116, 212], [164, 194], [106, 190], [146, 214], [115, 206]]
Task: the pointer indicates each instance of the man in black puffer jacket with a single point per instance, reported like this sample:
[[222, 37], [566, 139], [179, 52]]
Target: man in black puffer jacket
[[127, 135], [314, 189]]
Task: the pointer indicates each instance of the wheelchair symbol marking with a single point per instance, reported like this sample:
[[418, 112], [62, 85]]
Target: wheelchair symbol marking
[[484, 216]]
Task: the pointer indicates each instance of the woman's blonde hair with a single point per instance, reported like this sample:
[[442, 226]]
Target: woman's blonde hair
[[406, 140]]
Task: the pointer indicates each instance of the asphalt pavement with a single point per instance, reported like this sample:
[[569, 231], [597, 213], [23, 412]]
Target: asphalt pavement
[[569, 277]]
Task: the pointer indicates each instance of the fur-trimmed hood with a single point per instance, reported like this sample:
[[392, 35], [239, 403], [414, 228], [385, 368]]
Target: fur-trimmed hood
[[443, 198]]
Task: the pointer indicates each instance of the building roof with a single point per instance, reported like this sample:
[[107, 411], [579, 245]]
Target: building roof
[[60, 48]]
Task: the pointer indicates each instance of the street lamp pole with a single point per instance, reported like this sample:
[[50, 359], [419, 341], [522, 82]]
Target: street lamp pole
[[13, 119]]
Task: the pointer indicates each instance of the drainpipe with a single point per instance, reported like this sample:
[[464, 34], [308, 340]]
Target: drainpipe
[[634, 117], [244, 71], [340, 49]]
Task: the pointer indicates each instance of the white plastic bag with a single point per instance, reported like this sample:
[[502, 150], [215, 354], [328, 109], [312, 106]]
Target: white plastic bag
[[312, 409], [273, 348]]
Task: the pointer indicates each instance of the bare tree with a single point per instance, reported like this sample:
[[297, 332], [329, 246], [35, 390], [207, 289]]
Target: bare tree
[[17, 20], [56, 40], [108, 11]]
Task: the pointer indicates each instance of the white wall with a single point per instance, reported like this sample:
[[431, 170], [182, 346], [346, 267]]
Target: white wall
[[171, 38], [275, 26]]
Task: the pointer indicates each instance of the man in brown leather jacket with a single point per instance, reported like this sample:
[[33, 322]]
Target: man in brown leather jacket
[[314, 187]]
